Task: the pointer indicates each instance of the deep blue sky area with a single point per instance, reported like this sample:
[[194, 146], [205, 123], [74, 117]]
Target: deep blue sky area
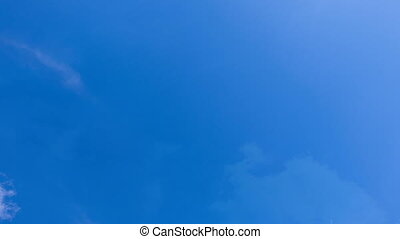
[[199, 111]]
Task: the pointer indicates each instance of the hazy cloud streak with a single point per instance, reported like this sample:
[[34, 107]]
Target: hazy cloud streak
[[71, 78]]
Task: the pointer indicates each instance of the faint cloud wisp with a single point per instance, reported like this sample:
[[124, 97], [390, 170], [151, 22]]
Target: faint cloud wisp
[[71, 78], [303, 191]]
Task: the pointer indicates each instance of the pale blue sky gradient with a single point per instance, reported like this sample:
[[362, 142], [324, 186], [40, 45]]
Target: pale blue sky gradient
[[200, 111]]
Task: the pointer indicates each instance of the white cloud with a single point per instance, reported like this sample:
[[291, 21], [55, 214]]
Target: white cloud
[[304, 191], [8, 209], [70, 78]]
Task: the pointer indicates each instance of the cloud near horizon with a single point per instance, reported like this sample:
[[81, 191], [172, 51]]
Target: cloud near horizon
[[304, 191], [70, 78], [8, 209]]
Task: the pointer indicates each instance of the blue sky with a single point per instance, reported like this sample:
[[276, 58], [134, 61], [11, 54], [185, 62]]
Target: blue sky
[[199, 111]]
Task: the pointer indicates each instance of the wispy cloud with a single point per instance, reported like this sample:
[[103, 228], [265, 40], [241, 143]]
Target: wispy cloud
[[8, 209], [70, 78], [303, 191]]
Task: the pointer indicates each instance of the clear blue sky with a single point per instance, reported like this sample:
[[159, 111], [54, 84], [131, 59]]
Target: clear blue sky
[[199, 111]]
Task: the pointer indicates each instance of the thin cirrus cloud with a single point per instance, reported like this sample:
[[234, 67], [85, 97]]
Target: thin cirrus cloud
[[8, 209], [302, 191], [70, 78]]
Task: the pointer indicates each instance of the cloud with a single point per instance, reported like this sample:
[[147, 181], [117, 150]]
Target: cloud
[[70, 78], [304, 191], [8, 209]]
